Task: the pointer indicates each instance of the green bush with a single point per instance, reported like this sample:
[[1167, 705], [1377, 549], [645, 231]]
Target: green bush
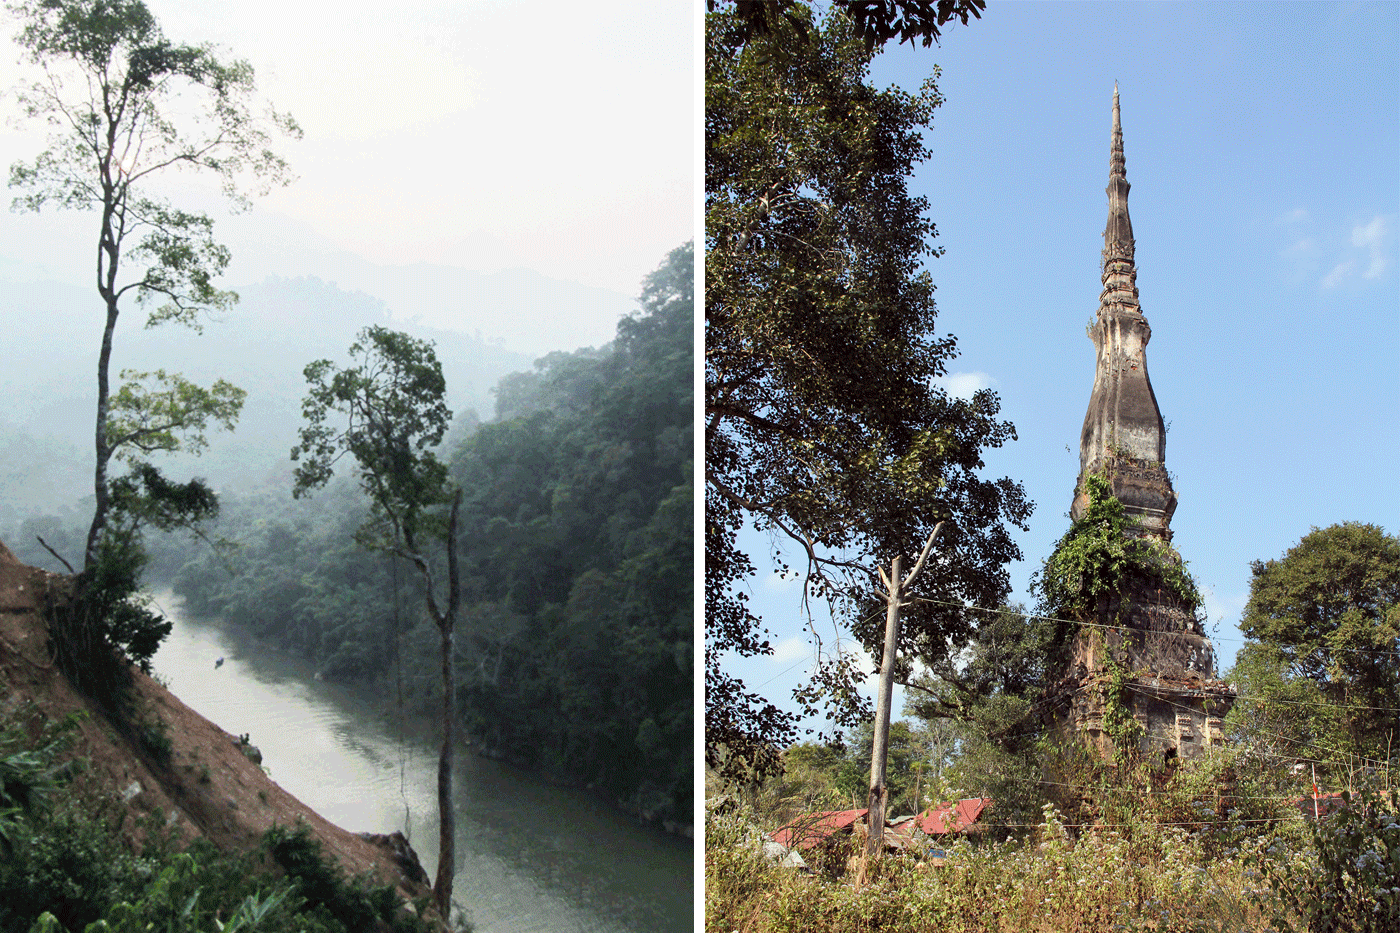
[[172, 903], [67, 866], [355, 904], [69, 862], [1350, 881], [106, 626], [153, 735]]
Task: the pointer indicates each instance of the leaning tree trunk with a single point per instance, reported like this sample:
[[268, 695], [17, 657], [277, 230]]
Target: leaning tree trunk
[[102, 449], [879, 757]]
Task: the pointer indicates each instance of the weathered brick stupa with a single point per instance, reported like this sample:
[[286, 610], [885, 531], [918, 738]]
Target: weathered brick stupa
[[1171, 690]]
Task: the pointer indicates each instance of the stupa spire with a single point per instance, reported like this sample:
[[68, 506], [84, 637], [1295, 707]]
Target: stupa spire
[[1145, 625], [1124, 437], [1119, 270], [1117, 164]]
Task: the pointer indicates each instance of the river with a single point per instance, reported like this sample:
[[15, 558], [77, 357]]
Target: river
[[532, 857]]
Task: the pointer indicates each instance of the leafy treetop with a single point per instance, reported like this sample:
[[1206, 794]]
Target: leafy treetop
[[823, 419], [111, 92], [391, 400], [876, 21], [123, 105], [1328, 611]]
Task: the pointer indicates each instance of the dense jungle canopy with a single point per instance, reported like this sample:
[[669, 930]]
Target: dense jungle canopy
[[575, 644]]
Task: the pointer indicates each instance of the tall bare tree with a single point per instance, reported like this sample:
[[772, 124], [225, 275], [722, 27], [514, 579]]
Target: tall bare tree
[[124, 106], [389, 414]]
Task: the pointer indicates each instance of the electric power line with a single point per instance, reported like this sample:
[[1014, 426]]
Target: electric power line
[[1277, 735], [1031, 615]]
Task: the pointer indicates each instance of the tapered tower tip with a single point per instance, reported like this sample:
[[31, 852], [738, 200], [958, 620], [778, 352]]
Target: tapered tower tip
[[1123, 426]]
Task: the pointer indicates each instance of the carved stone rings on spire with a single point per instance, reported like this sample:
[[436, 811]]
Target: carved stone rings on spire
[[1119, 271], [1124, 436]]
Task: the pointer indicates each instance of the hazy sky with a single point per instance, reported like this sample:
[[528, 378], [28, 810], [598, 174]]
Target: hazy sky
[[1261, 144], [558, 136]]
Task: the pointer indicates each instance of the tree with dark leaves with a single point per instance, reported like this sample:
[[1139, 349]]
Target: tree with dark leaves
[[386, 410], [823, 419], [876, 21], [1323, 639]]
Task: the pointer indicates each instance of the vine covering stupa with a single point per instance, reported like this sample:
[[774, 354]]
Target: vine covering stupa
[[1148, 633]]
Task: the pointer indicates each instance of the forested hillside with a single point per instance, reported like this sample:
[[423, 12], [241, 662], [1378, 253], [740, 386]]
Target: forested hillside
[[574, 651], [278, 326]]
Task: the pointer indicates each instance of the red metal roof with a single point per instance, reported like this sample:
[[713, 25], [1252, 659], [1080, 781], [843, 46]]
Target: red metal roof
[[949, 817], [952, 817], [810, 829], [1321, 805]]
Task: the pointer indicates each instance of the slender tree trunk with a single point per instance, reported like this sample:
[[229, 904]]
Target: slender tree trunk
[[108, 259], [102, 450], [879, 756], [447, 820], [879, 792]]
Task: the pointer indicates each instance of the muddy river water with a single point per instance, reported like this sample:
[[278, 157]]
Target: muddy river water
[[531, 856]]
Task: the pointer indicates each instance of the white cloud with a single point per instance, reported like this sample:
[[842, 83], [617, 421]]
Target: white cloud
[[1338, 275], [1226, 609], [776, 581], [964, 385], [1368, 254], [1371, 237], [790, 649]]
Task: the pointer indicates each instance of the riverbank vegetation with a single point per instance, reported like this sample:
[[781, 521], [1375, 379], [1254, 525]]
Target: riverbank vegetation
[[70, 862]]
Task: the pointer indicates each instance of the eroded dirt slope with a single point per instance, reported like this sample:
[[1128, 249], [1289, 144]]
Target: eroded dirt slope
[[209, 787]]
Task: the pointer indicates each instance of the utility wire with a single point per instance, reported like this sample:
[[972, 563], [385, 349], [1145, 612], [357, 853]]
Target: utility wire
[[1261, 700], [804, 660], [1165, 793], [794, 667], [1324, 748], [1030, 615], [1379, 709], [994, 825]]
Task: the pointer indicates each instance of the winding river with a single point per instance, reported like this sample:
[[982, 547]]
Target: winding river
[[533, 857]]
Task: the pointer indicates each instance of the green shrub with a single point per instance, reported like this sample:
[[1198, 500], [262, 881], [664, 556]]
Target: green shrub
[[69, 862], [153, 735], [106, 626], [29, 769], [1350, 880], [356, 904]]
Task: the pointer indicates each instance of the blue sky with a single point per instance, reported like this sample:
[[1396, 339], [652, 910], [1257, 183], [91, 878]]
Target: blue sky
[[1263, 149]]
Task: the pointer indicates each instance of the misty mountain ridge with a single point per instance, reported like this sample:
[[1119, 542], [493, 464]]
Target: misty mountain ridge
[[52, 331]]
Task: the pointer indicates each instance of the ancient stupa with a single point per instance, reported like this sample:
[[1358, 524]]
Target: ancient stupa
[[1155, 635]]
